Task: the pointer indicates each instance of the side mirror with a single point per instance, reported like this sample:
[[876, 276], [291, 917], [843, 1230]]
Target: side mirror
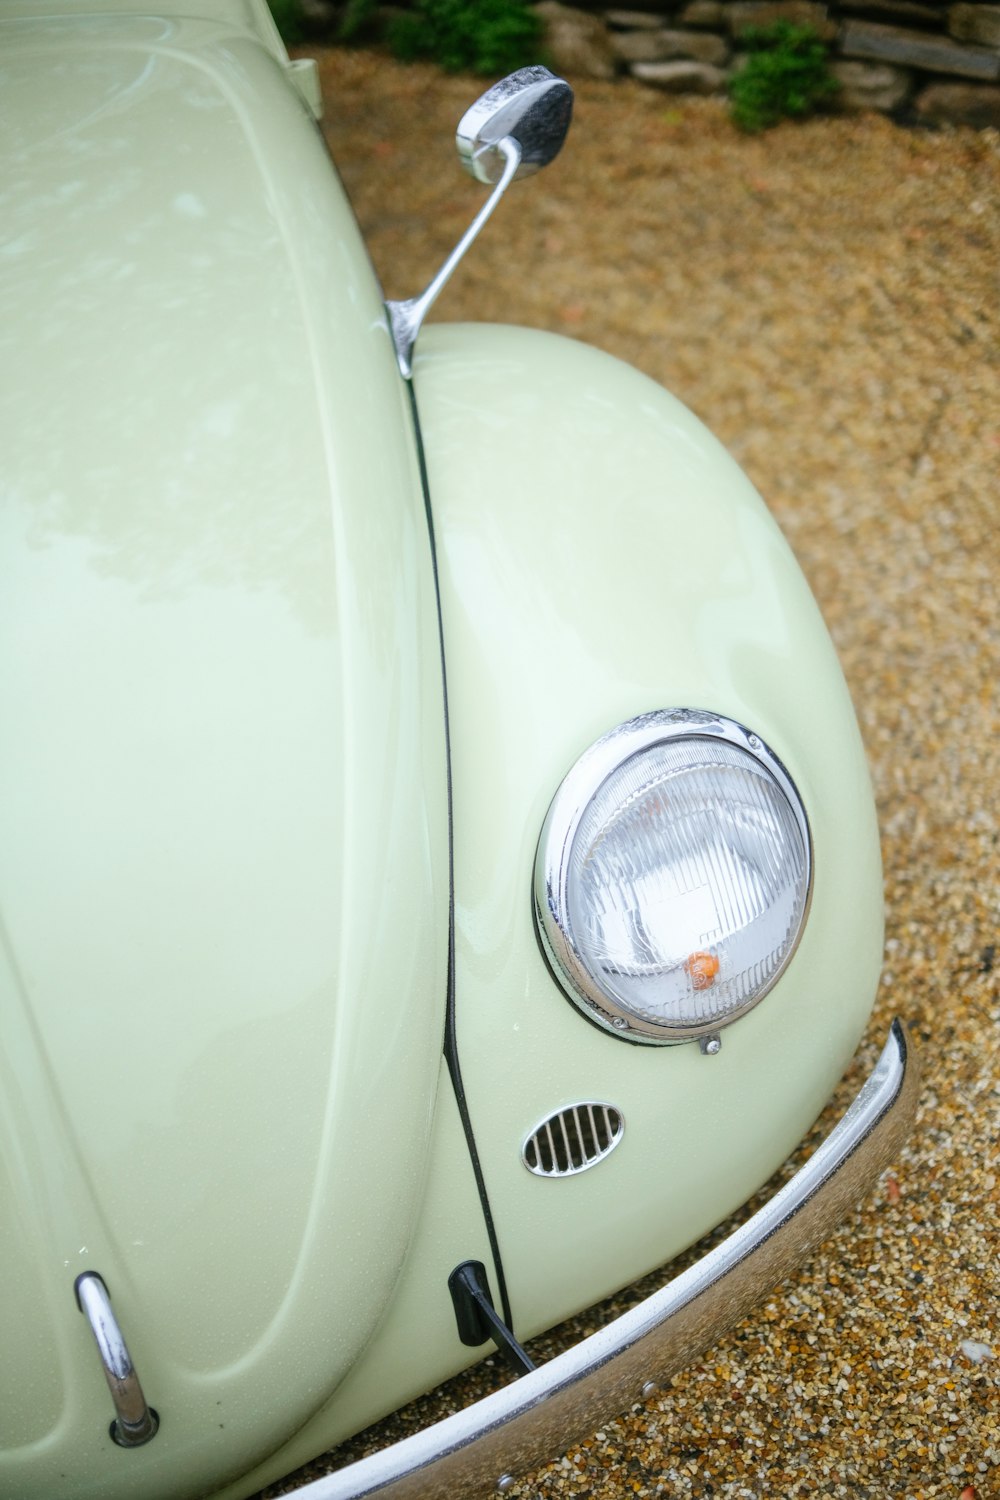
[[517, 127], [531, 106]]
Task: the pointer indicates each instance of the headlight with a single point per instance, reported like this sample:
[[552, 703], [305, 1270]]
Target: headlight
[[672, 876]]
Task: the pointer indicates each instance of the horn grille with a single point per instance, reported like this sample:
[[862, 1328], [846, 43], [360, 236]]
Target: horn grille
[[573, 1139]]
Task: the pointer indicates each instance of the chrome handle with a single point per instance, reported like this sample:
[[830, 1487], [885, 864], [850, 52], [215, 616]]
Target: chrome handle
[[135, 1422]]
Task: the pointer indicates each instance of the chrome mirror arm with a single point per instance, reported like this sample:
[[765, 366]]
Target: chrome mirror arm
[[406, 318]]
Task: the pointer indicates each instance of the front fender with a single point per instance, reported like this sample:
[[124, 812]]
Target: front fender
[[600, 555]]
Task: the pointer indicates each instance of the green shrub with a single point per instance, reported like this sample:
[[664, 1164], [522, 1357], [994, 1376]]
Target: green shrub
[[357, 18], [786, 75], [482, 36], [288, 19]]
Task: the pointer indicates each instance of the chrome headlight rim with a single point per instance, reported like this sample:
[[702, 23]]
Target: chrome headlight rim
[[552, 864]]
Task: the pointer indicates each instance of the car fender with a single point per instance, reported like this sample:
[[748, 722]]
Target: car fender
[[600, 555]]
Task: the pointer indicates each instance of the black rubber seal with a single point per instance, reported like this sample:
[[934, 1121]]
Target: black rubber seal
[[450, 1029]]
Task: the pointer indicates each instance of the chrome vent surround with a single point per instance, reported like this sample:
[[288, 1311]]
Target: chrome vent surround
[[573, 1139]]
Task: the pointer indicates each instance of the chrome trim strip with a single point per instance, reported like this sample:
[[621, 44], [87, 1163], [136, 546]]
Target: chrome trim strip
[[135, 1423], [539, 1415]]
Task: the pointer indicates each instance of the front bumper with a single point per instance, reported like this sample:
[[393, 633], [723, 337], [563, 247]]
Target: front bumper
[[538, 1415]]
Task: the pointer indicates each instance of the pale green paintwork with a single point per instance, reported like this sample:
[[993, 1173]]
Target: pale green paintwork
[[417, 1345], [223, 784], [223, 856], [600, 555], [233, 17]]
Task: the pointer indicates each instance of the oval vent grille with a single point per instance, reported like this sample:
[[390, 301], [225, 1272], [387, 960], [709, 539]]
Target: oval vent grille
[[576, 1138]]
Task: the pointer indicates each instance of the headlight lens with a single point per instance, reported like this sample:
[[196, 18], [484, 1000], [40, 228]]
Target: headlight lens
[[673, 876]]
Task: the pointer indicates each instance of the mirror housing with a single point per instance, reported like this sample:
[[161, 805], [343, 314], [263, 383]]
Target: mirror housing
[[531, 106]]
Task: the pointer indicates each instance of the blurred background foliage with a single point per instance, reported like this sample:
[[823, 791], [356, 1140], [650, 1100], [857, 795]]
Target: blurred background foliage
[[491, 37]]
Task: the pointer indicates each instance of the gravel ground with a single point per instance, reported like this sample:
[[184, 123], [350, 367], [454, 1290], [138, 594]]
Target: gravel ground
[[825, 298]]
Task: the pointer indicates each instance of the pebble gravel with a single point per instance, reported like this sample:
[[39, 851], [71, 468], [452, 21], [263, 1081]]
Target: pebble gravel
[[825, 297]]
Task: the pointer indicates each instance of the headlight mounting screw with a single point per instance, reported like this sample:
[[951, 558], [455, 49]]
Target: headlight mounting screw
[[620, 1023], [711, 1044]]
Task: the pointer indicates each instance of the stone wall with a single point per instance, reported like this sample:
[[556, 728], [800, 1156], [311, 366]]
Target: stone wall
[[915, 59]]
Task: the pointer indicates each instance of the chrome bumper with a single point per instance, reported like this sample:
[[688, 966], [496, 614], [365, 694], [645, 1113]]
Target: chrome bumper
[[540, 1414]]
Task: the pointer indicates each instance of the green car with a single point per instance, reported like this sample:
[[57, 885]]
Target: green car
[[440, 879]]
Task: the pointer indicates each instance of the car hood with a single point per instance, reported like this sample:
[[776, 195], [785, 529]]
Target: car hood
[[222, 773]]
